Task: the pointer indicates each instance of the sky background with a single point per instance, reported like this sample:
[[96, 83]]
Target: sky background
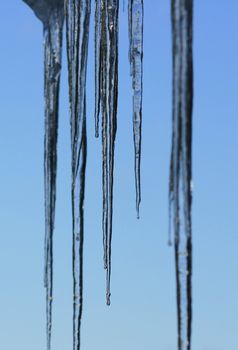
[[143, 311]]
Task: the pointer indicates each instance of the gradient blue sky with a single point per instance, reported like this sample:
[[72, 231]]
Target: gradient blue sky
[[143, 311]]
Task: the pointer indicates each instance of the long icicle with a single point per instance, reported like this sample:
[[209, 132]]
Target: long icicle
[[180, 191], [53, 47], [112, 23], [106, 78], [52, 16], [103, 98], [77, 28], [135, 25]]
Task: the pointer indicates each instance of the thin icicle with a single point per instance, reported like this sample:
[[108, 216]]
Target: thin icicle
[[52, 15], [77, 32], [106, 77], [180, 193], [135, 24], [103, 99], [97, 31]]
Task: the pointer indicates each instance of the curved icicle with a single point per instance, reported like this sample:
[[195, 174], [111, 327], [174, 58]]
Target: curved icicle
[[180, 191], [77, 32], [51, 13], [135, 25], [106, 78]]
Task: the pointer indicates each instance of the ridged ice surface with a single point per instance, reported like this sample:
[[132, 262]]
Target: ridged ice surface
[[53, 47], [180, 194], [51, 13], [106, 94], [135, 25], [77, 32]]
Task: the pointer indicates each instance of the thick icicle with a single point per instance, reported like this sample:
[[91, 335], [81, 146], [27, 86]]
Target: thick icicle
[[180, 192], [106, 77], [135, 24], [51, 14], [77, 28], [53, 47]]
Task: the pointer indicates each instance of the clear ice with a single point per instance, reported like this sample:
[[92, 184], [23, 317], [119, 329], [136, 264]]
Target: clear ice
[[106, 95], [51, 13], [180, 192], [135, 25], [77, 14]]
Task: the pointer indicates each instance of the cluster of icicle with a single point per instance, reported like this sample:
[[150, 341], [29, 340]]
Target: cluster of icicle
[[77, 15]]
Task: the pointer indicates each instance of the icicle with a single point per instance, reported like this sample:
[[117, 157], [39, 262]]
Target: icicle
[[53, 48], [51, 14], [97, 33], [180, 196], [135, 24], [113, 6], [77, 28], [106, 77]]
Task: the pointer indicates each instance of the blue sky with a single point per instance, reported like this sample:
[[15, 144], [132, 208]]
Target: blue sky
[[143, 311]]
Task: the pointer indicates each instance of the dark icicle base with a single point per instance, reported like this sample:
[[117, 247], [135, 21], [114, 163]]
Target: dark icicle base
[[51, 13], [135, 25], [77, 32], [180, 193], [106, 95]]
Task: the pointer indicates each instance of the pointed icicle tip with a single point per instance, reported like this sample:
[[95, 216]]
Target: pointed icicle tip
[[138, 213], [108, 299]]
